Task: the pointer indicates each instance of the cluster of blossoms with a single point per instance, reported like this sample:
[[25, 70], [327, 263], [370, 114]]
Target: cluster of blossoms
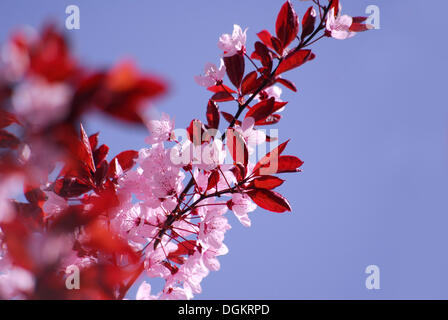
[[160, 211]]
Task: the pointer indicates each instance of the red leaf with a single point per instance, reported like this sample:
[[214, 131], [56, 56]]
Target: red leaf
[[262, 53], [272, 119], [186, 247], [7, 119], [126, 159], [34, 194], [265, 37], [359, 27], [222, 96], [85, 151], [273, 155], [212, 115], [237, 147], [93, 139], [269, 200], [213, 180], [261, 110], [267, 182], [277, 44], [229, 118], [288, 164], [294, 60], [288, 84], [196, 132], [100, 154], [220, 88], [70, 187], [249, 83], [239, 171], [287, 24], [335, 6], [235, 68], [8, 140], [308, 21], [359, 19]]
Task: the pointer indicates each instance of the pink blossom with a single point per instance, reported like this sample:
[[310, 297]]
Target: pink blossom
[[272, 91], [15, 282], [176, 293], [9, 187], [241, 205], [212, 229], [54, 205], [144, 292], [41, 103], [233, 44], [209, 257], [160, 130], [339, 26], [252, 136], [212, 75]]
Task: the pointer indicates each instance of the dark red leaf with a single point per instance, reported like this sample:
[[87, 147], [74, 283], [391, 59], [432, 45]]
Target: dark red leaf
[[272, 119], [277, 44], [8, 140], [308, 21], [126, 160], [93, 139], [249, 83], [265, 37], [213, 179], [294, 60], [85, 151], [239, 171], [269, 200], [220, 88], [235, 68], [222, 96], [229, 118], [212, 115], [196, 132], [270, 156], [288, 84], [262, 53], [7, 119], [237, 147], [359, 27], [100, 154], [287, 24], [335, 6], [70, 187], [359, 19], [288, 164], [34, 194], [186, 247], [267, 182], [261, 110]]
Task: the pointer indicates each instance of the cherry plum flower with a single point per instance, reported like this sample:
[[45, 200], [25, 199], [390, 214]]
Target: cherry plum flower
[[338, 26], [272, 91], [241, 205], [252, 136], [16, 282], [233, 44], [54, 205], [212, 75], [160, 130], [41, 103], [144, 292]]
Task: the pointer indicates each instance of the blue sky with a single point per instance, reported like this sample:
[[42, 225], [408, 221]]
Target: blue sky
[[369, 120]]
